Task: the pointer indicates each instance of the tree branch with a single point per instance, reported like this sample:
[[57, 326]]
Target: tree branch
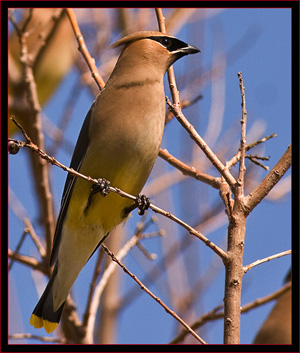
[[91, 315], [20, 336], [84, 50], [267, 184], [28, 261], [157, 299], [170, 72], [237, 156], [216, 315], [202, 144], [266, 259], [190, 171], [242, 167], [40, 170], [52, 160]]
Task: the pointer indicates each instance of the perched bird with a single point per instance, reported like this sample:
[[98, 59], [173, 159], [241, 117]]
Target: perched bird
[[119, 141]]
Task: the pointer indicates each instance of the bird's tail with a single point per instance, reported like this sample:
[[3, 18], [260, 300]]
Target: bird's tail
[[43, 314]]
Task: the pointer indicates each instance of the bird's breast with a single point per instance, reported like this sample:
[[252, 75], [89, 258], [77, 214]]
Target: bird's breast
[[127, 124], [125, 136]]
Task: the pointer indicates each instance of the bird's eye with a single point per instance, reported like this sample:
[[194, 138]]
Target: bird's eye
[[166, 42], [170, 43]]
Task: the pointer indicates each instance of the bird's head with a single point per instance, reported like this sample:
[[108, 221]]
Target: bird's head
[[149, 48]]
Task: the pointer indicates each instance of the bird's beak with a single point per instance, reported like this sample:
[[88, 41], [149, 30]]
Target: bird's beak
[[190, 49]]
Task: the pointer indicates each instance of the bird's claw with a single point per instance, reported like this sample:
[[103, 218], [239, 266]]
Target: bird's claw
[[143, 203], [102, 186]]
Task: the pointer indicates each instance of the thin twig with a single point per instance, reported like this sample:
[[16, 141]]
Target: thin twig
[[28, 230], [157, 299], [190, 171], [36, 57], [91, 315], [145, 252], [16, 206], [18, 248], [237, 156], [175, 108], [19, 30], [34, 237], [255, 156], [27, 138], [184, 104], [96, 291], [118, 191], [266, 259], [242, 167], [40, 170], [220, 252], [36, 337], [84, 50], [216, 315], [92, 289], [170, 72], [253, 160], [28, 261], [202, 144], [270, 180]]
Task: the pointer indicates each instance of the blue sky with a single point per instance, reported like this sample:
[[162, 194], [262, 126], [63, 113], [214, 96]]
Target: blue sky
[[256, 42]]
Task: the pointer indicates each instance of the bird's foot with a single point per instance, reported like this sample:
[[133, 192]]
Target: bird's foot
[[102, 186], [143, 203]]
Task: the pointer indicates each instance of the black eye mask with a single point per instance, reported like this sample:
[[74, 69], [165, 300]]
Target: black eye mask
[[172, 44]]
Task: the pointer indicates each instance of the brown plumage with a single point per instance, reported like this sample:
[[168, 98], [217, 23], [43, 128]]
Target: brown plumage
[[119, 141]]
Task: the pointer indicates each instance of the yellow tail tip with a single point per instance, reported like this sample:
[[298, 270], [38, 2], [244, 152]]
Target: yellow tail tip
[[38, 322]]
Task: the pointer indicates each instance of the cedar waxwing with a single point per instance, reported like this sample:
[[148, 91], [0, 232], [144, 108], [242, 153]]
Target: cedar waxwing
[[119, 141]]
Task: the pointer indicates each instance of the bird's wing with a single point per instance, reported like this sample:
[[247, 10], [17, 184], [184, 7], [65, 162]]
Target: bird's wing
[[78, 155]]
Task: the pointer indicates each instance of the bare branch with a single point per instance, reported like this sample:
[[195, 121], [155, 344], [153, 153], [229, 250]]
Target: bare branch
[[34, 237], [18, 247], [170, 72], [266, 185], [190, 171], [84, 50], [157, 299], [266, 259], [216, 315], [91, 315], [202, 144], [40, 50], [237, 156], [220, 252], [242, 167], [253, 159], [118, 191], [36, 337], [28, 230], [92, 289], [40, 171], [28, 261]]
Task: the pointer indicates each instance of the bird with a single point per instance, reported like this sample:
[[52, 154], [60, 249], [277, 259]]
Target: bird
[[118, 144]]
